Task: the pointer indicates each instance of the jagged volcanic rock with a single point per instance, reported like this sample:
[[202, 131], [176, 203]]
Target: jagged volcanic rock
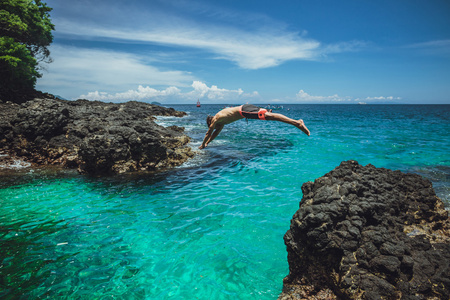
[[368, 233], [93, 136]]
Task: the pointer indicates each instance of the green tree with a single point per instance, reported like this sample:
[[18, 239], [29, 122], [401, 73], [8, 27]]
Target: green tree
[[25, 34]]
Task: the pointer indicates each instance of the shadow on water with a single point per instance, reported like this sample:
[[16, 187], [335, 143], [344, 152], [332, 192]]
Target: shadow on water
[[440, 178], [236, 149], [24, 265], [19, 177]]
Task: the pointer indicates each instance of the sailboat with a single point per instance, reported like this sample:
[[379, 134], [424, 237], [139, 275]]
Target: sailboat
[[198, 103]]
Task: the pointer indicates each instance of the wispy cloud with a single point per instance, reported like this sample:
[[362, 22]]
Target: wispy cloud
[[244, 43], [435, 47], [303, 97], [249, 50], [79, 69], [250, 41], [382, 98]]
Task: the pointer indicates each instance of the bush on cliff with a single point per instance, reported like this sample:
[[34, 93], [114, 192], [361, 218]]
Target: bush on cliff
[[25, 34]]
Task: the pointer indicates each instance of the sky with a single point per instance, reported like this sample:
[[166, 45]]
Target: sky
[[250, 51]]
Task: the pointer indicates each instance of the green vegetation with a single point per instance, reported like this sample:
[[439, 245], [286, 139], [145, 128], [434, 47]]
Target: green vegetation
[[25, 34]]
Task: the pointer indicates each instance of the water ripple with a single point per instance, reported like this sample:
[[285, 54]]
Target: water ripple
[[212, 229]]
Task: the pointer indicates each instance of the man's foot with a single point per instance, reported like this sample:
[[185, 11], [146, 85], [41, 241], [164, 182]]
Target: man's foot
[[302, 127]]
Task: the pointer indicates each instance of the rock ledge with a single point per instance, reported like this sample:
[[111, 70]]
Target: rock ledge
[[368, 233], [95, 137]]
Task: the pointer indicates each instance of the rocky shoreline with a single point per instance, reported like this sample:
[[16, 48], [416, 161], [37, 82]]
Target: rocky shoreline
[[97, 138], [368, 233]]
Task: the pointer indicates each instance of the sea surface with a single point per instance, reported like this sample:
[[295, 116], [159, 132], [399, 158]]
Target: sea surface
[[212, 228]]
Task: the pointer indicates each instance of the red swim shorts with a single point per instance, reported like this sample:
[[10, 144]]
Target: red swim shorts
[[250, 111]]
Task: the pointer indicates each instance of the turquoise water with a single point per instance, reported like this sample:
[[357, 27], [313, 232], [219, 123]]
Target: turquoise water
[[212, 228]]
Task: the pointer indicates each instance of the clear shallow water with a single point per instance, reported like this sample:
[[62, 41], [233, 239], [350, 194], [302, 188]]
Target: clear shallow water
[[212, 228]]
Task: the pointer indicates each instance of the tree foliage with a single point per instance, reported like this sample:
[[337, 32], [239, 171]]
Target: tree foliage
[[25, 34]]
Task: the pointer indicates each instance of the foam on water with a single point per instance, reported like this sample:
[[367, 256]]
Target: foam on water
[[212, 228], [14, 164]]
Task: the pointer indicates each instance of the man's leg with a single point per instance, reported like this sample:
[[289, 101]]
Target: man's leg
[[270, 116]]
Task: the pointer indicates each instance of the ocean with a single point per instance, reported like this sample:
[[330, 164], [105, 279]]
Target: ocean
[[212, 228]]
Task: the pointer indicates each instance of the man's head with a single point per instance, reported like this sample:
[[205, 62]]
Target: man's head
[[209, 120]]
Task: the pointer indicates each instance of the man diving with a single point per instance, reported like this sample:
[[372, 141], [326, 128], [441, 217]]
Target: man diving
[[248, 111]]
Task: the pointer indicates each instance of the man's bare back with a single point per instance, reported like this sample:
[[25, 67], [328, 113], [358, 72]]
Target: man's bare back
[[227, 115]]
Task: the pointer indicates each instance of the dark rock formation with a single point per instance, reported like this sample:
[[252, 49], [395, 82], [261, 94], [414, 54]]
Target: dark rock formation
[[95, 137], [368, 233]]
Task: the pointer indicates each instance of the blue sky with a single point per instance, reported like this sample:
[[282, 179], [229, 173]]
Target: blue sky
[[302, 51]]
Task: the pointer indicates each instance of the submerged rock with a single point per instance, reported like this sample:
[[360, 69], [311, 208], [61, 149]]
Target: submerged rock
[[93, 136], [368, 233]]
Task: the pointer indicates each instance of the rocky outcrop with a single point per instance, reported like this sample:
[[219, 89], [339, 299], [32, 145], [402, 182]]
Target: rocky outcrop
[[368, 233], [93, 136]]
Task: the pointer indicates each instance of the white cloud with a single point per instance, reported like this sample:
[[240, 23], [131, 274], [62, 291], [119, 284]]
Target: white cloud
[[75, 70], [142, 93], [105, 75], [249, 50], [201, 90], [383, 98], [436, 47], [251, 41], [173, 94], [302, 96]]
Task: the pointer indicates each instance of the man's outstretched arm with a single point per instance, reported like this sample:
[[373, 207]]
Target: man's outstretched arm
[[215, 134], [207, 136]]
